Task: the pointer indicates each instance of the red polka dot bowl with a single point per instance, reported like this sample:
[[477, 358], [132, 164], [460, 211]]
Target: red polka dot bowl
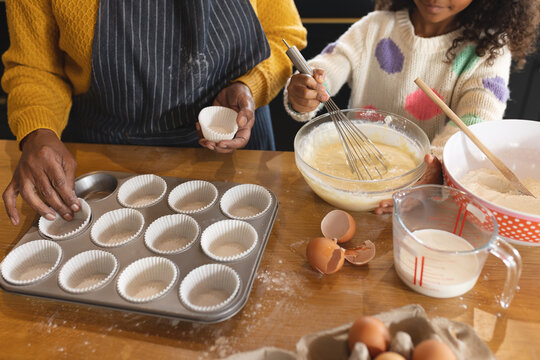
[[517, 144]]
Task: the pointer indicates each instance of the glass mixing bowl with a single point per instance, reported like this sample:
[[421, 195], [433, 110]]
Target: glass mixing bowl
[[380, 127]]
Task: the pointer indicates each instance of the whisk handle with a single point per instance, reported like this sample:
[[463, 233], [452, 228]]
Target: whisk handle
[[298, 60]]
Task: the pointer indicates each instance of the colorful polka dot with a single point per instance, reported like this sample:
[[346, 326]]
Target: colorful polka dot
[[328, 49], [419, 105], [498, 87], [469, 119], [389, 56], [465, 60]]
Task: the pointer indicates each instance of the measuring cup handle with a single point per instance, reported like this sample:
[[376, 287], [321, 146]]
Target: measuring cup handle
[[512, 259]]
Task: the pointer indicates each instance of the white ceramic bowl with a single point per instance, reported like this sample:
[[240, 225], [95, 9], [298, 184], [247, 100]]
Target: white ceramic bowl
[[354, 194], [517, 144]]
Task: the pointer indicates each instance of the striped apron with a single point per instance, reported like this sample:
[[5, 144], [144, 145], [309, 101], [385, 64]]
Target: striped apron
[[156, 64]]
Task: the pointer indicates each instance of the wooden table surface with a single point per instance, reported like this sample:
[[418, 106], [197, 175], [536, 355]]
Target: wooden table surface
[[288, 299]]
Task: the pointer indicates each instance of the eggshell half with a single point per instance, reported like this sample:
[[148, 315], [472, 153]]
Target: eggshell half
[[324, 255], [362, 254], [338, 225]]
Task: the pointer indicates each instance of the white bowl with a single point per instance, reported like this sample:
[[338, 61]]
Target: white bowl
[[517, 144]]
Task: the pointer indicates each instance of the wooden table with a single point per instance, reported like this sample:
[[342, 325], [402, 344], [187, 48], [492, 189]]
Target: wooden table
[[288, 299]]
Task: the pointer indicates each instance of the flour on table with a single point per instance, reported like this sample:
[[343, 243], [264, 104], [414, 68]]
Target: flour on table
[[491, 185]]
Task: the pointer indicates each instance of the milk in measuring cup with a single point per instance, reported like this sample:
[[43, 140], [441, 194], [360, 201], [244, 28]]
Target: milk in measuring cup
[[437, 273]]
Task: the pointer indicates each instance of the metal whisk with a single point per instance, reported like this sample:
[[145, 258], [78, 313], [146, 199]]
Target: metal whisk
[[360, 152]]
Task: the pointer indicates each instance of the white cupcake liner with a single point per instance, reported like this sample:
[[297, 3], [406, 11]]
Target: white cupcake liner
[[192, 196], [209, 287], [171, 234], [59, 229], [147, 279], [245, 201], [228, 240], [142, 191], [31, 262], [117, 227], [87, 271], [218, 123]]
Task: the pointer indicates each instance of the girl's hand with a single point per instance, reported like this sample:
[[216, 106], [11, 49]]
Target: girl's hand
[[307, 92], [433, 175], [238, 97]]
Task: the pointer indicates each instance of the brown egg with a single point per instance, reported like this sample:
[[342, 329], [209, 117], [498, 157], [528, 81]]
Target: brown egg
[[362, 254], [432, 350], [338, 225], [389, 355], [325, 255], [372, 332]]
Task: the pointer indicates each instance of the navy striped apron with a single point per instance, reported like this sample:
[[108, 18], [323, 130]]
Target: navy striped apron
[[156, 64]]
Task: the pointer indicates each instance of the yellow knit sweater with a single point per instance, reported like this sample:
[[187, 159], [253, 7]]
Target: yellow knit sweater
[[50, 56]]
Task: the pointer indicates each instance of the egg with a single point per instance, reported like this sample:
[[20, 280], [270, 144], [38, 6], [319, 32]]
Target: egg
[[325, 255], [338, 225], [389, 355], [433, 350], [370, 331]]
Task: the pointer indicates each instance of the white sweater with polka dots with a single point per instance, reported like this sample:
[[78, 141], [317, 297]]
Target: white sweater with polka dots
[[380, 57]]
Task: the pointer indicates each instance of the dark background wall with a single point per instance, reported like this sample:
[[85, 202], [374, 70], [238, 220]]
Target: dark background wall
[[325, 22], [5, 133]]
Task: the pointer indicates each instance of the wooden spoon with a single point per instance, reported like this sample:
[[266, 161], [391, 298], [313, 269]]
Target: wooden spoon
[[495, 160]]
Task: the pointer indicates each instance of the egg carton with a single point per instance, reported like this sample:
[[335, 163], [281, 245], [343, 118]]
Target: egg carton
[[164, 246], [412, 320]]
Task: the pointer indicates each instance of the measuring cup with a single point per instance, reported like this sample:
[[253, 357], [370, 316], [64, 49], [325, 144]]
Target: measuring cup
[[442, 237]]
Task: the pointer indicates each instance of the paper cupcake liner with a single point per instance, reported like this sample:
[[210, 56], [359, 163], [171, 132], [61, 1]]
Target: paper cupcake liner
[[142, 191], [218, 123], [209, 287], [59, 229], [171, 234], [147, 279], [193, 196], [117, 227], [31, 262], [228, 240], [244, 202], [87, 271]]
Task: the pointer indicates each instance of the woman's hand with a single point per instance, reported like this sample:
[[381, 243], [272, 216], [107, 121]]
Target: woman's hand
[[44, 177], [306, 92], [433, 175], [238, 97]]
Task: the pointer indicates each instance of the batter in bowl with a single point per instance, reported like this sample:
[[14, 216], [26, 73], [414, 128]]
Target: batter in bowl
[[330, 159]]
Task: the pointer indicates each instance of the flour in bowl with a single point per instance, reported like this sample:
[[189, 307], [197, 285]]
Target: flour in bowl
[[491, 185]]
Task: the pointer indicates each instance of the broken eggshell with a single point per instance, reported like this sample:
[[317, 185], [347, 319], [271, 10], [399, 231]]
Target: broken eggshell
[[362, 254], [324, 255], [338, 225]]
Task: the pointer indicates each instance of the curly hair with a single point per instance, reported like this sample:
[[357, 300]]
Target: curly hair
[[491, 24]]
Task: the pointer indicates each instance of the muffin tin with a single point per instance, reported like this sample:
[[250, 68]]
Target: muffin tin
[[164, 246]]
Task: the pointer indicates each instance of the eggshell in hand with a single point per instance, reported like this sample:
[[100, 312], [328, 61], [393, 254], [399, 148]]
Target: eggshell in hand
[[372, 332], [338, 225], [325, 255], [433, 350]]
